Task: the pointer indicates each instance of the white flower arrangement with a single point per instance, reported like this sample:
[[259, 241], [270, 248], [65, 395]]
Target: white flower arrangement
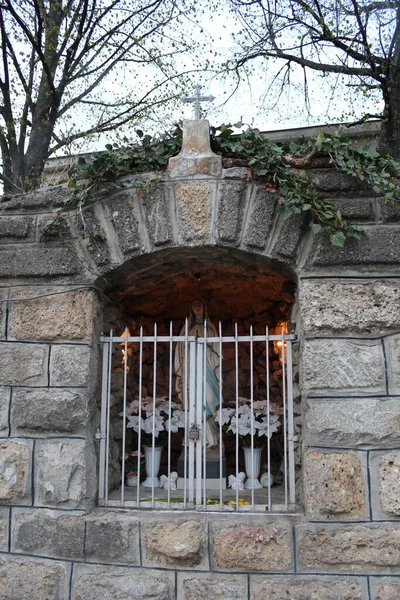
[[154, 416], [246, 425]]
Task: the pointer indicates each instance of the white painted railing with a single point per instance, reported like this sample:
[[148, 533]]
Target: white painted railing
[[153, 419]]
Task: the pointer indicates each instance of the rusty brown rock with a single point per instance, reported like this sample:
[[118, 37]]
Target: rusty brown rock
[[194, 210], [306, 588], [333, 485], [389, 483], [176, 543]]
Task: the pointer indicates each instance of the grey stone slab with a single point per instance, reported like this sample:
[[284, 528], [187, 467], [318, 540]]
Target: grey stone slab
[[23, 364], [157, 210], [16, 227], [71, 365], [5, 394], [44, 412], [215, 586], [49, 197], [355, 209], [349, 307], [3, 313], [335, 367], [230, 210], [378, 246], [371, 423], [385, 484], [23, 578], [305, 587], [385, 588], [126, 223], [88, 224], [289, 237], [117, 583], [15, 471], [389, 211], [335, 548], [65, 474], [332, 182], [4, 528], [262, 210], [392, 350], [50, 533], [112, 537], [37, 260]]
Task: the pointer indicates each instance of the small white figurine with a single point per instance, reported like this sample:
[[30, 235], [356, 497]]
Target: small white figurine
[[169, 482], [237, 483], [266, 480]]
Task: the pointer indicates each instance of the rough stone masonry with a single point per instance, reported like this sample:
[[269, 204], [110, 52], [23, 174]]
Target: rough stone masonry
[[343, 542]]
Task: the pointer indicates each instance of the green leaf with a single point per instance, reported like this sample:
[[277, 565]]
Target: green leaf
[[337, 239], [315, 227]]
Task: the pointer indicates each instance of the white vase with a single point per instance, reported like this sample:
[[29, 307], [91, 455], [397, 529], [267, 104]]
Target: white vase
[[150, 460], [131, 480], [252, 462]]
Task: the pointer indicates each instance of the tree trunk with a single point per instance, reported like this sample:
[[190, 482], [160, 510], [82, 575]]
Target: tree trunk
[[389, 138]]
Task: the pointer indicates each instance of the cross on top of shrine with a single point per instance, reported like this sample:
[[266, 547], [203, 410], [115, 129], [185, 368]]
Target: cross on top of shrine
[[196, 99]]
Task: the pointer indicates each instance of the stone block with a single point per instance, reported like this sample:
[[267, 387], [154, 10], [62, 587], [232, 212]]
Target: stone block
[[389, 210], [15, 471], [333, 367], [157, 210], [377, 247], [230, 211], [112, 583], [5, 393], [289, 236], [71, 366], [307, 588], [334, 486], [65, 474], [88, 224], [181, 543], [16, 227], [65, 316], [356, 209], [112, 537], [3, 313], [48, 533], [23, 578], [251, 546], [384, 588], [193, 205], [332, 307], [215, 586], [196, 156], [385, 484], [48, 197], [369, 549], [43, 412], [262, 210], [24, 364], [125, 221], [4, 526], [36, 260], [392, 351], [353, 423], [332, 182]]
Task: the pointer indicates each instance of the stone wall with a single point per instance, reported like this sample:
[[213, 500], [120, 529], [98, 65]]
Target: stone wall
[[344, 540]]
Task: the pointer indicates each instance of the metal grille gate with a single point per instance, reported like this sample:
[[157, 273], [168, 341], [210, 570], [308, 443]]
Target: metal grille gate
[[194, 491]]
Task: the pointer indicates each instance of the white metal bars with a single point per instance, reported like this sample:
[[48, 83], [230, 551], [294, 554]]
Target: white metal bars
[[193, 414]]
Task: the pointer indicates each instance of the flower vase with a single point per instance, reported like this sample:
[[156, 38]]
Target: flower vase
[[131, 480], [252, 465], [150, 459]]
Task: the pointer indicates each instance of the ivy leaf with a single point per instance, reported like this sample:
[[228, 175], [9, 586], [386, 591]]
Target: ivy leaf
[[315, 227], [337, 239]]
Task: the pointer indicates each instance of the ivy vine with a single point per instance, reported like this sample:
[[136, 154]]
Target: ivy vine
[[280, 167]]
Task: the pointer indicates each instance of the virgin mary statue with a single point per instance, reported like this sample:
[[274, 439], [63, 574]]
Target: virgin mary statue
[[198, 314]]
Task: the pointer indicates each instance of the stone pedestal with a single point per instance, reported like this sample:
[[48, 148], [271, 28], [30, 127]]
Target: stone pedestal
[[196, 156]]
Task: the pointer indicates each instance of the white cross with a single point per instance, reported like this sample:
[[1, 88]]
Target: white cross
[[197, 99]]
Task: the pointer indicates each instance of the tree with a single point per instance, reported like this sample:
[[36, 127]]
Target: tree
[[356, 39], [58, 55]]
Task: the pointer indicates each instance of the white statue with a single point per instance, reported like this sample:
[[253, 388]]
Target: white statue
[[266, 480], [169, 482], [237, 483], [198, 314]]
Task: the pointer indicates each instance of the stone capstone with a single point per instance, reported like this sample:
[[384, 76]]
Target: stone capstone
[[33, 579], [306, 588], [176, 543], [357, 549], [357, 423], [230, 210], [70, 365], [212, 586], [24, 364], [64, 316], [328, 307], [194, 211], [252, 548], [389, 483], [56, 412], [196, 156], [15, 472], [121, 584], [4, 408], [262, 210], [333, 485], [48, 533], [334, 366], [392, 349], [65, 474], [112, 537]]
